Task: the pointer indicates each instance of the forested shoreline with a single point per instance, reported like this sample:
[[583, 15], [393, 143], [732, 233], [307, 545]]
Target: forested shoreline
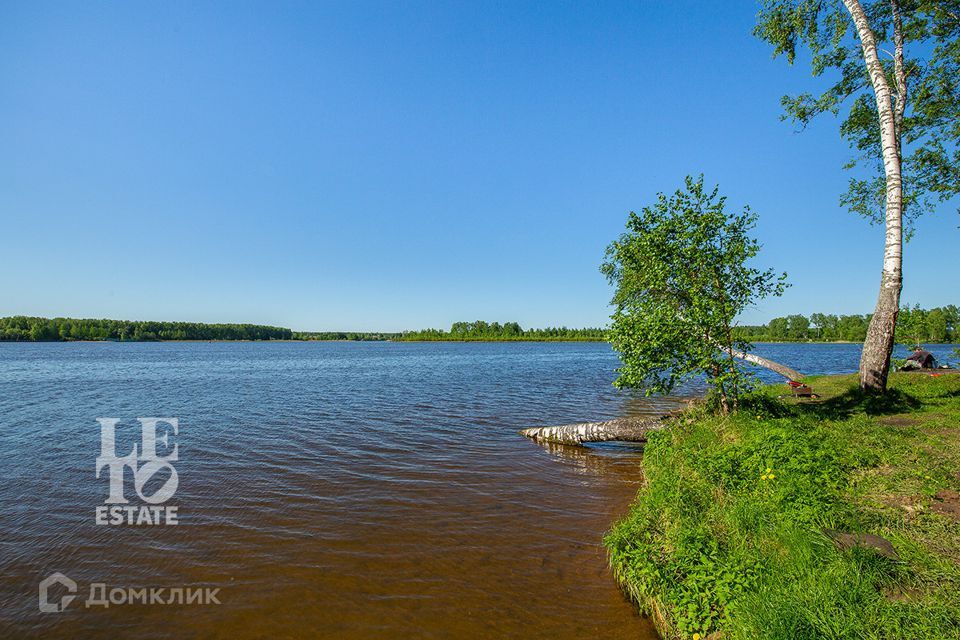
[[37, 329], [356, 336], [915, 326], [481, 330], [34, 329]]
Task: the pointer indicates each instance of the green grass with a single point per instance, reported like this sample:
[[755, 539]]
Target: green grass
[[716, 542]]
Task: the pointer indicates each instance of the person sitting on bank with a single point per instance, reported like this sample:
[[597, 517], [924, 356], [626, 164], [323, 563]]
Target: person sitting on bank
[[920, 359]]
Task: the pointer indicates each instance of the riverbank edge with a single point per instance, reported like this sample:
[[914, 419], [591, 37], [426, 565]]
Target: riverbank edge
[[903, 484]]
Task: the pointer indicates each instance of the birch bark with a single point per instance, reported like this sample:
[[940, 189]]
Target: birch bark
[[875, 360]]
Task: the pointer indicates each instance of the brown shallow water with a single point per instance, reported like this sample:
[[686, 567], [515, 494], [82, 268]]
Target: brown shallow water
[[342, 491]]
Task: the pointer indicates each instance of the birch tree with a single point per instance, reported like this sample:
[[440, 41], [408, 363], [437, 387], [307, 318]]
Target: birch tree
[[682, 274], [894, 68]]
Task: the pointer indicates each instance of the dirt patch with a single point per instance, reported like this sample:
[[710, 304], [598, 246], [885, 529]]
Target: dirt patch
[[948, 434], [902, 594], [899, 421], [947, 502], [846, 541], [911, 505]]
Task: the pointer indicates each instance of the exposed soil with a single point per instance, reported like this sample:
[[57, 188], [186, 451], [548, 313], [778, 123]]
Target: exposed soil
[[947, 502], [912, 505], [847, 541], [903, 594]]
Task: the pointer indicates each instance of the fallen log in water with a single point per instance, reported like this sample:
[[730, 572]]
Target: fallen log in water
[[625, 429], [635, 429]]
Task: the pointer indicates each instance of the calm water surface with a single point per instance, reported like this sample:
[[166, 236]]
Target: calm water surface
[[362, 490]]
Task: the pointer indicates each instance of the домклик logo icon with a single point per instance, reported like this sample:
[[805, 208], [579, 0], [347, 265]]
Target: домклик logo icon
[[56, 578]]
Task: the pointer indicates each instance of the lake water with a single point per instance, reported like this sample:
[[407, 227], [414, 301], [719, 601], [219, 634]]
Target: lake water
[[347, 490]]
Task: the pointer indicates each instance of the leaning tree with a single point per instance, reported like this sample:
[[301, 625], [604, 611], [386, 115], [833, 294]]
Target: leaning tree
[[893, 67], [683, 273]]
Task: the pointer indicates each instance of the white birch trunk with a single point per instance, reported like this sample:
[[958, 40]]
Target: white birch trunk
[[633, 429], [623, 429], [776, 367], [875, 361]]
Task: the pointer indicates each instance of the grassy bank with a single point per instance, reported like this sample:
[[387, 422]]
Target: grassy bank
[[739, 526]]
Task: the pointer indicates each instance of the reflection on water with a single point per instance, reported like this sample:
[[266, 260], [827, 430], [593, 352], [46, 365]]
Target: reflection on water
[[600, 459], [329, 490]]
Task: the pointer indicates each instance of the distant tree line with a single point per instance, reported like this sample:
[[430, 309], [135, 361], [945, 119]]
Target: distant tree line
[[24, 328], [481, 330], [344, 335], [914, 326]]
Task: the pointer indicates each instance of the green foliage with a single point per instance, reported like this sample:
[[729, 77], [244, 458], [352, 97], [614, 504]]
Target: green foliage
[[481, 331], [63, 329], [356, 336], [727, 533], [681, 275], [930, 127], [911, 325], [914, 325], [23, 328]]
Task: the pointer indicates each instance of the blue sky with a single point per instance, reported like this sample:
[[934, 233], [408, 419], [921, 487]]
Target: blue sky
[[393, 166]]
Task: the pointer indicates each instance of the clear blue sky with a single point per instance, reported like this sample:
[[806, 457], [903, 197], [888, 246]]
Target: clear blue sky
[[392, 165]]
